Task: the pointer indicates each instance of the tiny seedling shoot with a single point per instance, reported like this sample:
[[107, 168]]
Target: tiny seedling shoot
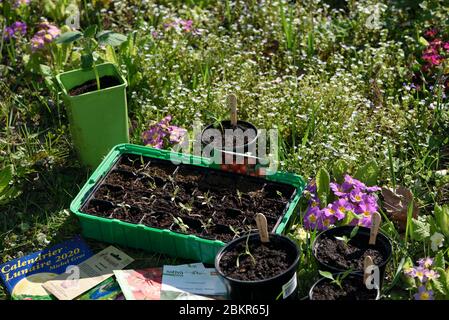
[[90, 41], [261, 222], [246, 253], [346, 239], [182, 226], [338, 280]]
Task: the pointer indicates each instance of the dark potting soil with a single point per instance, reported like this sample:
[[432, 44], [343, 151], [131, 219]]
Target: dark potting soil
[[352, 289], [237, 140], [211, 204], [91, 85], [344, 256], [266, 261]]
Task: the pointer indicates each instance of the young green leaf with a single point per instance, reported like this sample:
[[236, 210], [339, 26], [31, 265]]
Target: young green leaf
[[326, 274], [87, 61], [5, 177], [423, 41], [439, 284], [368, 173], [90, 31], [421, 230], [409, 224], [439, 261], [339, 170], [349, 217], [354, 232], [322, 184], [45, 70], [69, 37], [110, 38]]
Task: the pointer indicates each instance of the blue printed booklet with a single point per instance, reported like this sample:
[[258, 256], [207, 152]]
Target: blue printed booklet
[[23, 277]]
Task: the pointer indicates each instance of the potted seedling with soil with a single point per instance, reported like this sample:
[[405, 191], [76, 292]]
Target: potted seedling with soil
[[259, 265], [345, 248], [233, 143], [342, 286], [95, 97]]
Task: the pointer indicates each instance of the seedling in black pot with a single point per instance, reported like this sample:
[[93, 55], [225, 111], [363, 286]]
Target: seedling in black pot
[[260, 265], [342, 286], [232, 151], [340, 249]]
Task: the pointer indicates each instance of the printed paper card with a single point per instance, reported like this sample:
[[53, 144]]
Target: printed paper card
[[88, 274]]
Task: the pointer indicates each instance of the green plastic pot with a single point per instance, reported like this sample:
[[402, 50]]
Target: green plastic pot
[[99, 119]]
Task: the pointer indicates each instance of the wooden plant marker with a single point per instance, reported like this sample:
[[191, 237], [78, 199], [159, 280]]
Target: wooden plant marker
[[261, 222], [375, 224], [232, 104], [366, 264]]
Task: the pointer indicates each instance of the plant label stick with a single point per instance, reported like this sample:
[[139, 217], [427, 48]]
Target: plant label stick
[[261, 222], [375, 224], [232, 104], [366, 264]]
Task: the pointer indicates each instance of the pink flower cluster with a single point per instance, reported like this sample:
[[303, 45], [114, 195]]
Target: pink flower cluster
[[46, 34], [423, 274], [162, 134], [353, 198], [432, 59], [435, 53], [18, 28], [18, 3], [181, 25]]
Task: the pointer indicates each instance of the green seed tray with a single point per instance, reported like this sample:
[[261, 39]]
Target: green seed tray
[[159, 240]]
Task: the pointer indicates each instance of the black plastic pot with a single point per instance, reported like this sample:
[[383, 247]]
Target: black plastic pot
[[357, 276], [282, 286], [249, 147], [383, 244]]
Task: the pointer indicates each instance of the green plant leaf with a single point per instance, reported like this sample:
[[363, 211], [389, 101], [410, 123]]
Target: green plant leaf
[[398, 274], [409, 224], [440, 284], [8, 194], [339, 169], [423, 41], [443, 281], [110, 38], [326, 274], [45, 70], [349, 217], [439, 260], [5, 178], [441, 214], [322, 184], [90, 31], [69, 37], [87, 61], [354, 232], [420, 230], [368, 173]]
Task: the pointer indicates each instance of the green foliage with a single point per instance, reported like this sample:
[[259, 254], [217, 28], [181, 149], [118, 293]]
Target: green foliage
[[339, 169], [368, 174], [7, 190], [322, 183], [87, 39], [442, 219], [420, 230]]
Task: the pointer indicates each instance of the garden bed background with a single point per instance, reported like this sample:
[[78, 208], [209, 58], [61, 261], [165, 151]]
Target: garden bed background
[[137, 194]]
